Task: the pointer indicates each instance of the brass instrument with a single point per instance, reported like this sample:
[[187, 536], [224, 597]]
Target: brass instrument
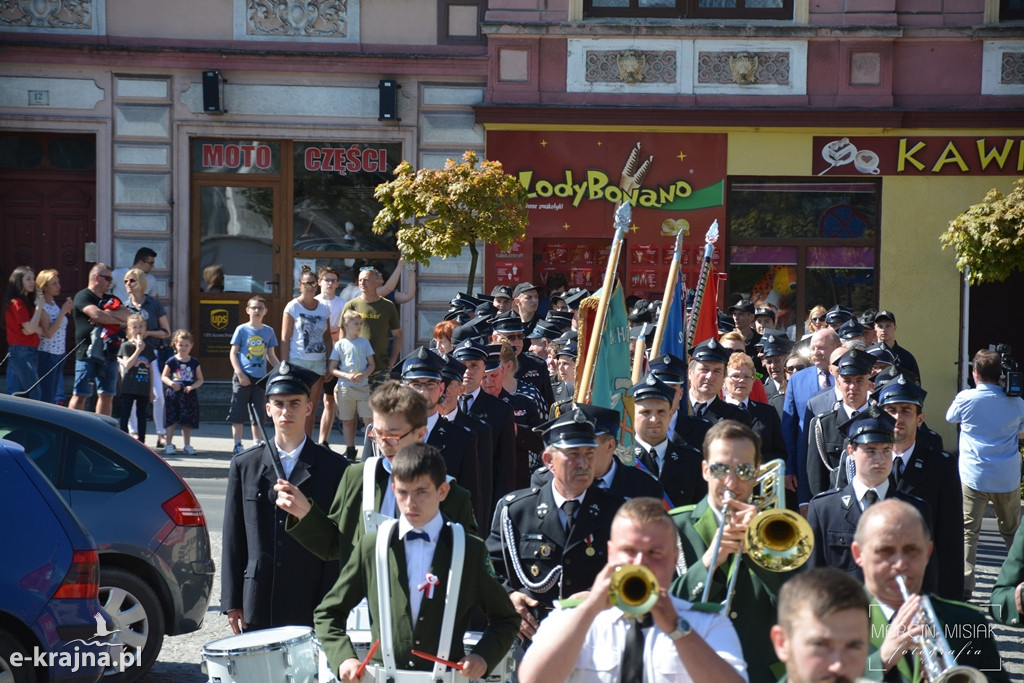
[[777, 539], [937, 660], [634, 589]]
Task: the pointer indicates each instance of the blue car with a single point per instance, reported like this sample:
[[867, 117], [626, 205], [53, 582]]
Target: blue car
[[156, 568], [52, 627]]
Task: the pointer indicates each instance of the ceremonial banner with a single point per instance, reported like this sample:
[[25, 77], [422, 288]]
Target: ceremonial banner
[[610, 387]]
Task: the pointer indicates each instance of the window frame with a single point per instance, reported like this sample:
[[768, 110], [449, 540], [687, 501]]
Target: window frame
[[690, 9]]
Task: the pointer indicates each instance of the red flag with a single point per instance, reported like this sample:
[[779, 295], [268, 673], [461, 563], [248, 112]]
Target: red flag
[[707, 316]]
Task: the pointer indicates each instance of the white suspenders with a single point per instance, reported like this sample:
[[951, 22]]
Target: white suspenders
[[387, 647]]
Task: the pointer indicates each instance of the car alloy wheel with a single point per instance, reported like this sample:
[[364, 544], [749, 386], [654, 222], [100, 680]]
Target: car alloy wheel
[[138, 620]]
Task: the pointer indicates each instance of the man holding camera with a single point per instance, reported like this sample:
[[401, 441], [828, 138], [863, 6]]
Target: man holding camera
[[991, 423]]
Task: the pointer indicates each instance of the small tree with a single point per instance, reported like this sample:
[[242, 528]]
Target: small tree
[[989, 237], [438, 212]]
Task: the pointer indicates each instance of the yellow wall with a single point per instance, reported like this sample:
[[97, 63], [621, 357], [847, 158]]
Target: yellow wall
[[918, 281]]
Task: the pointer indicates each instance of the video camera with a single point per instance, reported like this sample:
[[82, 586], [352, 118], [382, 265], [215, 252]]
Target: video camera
[[1012, 377]]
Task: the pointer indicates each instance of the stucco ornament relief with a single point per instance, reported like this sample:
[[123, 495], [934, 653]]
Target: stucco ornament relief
[[631, 66], [744, 68], [320, 18], [67, 14]]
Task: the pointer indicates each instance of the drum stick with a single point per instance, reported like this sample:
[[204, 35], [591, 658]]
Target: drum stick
[[446, 662], [362, 665]]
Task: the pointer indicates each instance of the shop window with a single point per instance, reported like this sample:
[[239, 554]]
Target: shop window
[[236, 234], [1011, 10], [692, 9], [798, 244]]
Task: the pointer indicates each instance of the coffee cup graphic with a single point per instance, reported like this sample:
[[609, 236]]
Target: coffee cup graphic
[[866, 161]]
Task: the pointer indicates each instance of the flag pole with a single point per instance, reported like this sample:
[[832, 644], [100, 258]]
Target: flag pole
[[638, 355], [698, 296], [623, 215], [670, 290]]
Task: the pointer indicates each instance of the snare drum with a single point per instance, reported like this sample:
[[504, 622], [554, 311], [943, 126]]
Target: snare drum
[[270, 656]]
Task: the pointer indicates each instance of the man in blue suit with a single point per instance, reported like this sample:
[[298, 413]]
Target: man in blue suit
[[802, 386]]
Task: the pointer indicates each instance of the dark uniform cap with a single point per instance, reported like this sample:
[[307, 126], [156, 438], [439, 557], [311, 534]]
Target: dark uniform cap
[[460, 316], [872, 425], [867, 318], [452, 370], [470, 350], [523, 287], [838, 314], [501, 291], [545, 329], [606, 420], [652, 387], [574, 296], [743, 305], [560, 319], [764, 311], [493, 360], [851, 329], [772, 345], [485, 310], [900, 390], [882, 353], [669, 369], [508, 323], [725, 323], [422, 363], [855, 362], [641, 313], [711, 351], [571, 429], [475, 328], [290, 379], [885, 315], [567, 337], [569, 350], [468, 299]]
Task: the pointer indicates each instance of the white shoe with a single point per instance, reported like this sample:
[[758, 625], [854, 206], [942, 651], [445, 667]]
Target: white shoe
[[189, 450], [169, 449]]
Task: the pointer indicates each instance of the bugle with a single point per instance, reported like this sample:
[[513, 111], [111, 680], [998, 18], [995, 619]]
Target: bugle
[[777, 539], [634, 589], [937, 660]]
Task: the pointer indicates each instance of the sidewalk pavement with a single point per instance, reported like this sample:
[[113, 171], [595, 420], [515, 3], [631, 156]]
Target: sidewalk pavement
[[213, 444]]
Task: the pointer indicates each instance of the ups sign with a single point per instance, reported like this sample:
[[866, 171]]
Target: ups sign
[[217, 321]]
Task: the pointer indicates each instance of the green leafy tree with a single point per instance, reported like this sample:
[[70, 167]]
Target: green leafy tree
[[989, 237], [440, 211]]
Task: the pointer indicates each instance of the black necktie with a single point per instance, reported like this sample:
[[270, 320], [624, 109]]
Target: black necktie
[[421, 535], [569, 508], [649, 460], [599, 482], [870, 498], [698, 408], [464, 403], [632, 666], [897, 468], [743, 407]]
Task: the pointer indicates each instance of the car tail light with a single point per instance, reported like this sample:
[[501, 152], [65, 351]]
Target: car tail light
[[185, 510], [83, 577]]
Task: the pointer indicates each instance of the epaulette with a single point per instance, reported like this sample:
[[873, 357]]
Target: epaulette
[[681, 509], [568, 603], [521, 493], [829, 492], [707, 607]]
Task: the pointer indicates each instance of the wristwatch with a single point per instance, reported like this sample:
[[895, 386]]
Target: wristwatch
[[683, 629]]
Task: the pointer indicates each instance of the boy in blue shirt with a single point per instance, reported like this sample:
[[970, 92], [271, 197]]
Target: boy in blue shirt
[[252, 345]]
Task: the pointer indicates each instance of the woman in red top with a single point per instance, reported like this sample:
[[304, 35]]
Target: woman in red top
[[23, 306]]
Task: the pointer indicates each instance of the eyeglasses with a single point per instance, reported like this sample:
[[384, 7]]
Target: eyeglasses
[[149, 263], [130, 281], [367, 268], [330, 281], [257, 308], [512, 337], [307, 284], [108, 278], [744, 472], [432, 385], [819, 319], [794, 368], [740, 378], [388, 440]]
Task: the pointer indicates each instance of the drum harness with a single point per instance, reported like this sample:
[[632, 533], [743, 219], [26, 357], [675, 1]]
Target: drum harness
[[444, 643]]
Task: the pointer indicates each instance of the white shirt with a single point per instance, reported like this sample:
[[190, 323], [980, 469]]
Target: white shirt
[[289, 458], [599, 660], [609, 477], [559, 499], [904, 456], [860, 489], [431, 421], [471, 397], [419, 555], [658, 452]]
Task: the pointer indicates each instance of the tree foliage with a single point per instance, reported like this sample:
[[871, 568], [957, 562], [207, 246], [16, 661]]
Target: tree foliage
[[989, 237], [438, 212]]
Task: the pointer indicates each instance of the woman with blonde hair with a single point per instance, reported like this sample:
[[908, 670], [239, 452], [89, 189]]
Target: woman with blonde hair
[[815, 320], [53, 325]]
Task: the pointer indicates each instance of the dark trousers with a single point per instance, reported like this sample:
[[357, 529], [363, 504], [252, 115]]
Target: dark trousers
[[141, 404]]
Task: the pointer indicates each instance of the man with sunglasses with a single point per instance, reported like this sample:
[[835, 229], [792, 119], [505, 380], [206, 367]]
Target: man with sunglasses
[[399, 419], [145, 260], [381, 324], [95, 306], [732, 457], [421, 372]]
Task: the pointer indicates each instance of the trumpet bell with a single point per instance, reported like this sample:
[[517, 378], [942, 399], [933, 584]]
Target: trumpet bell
[[961, 674], [634, 589], [779, 540]]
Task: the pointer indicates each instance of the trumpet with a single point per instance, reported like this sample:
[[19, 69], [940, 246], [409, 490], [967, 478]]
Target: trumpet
[[634, 589], [937, 660], [777, 539]]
